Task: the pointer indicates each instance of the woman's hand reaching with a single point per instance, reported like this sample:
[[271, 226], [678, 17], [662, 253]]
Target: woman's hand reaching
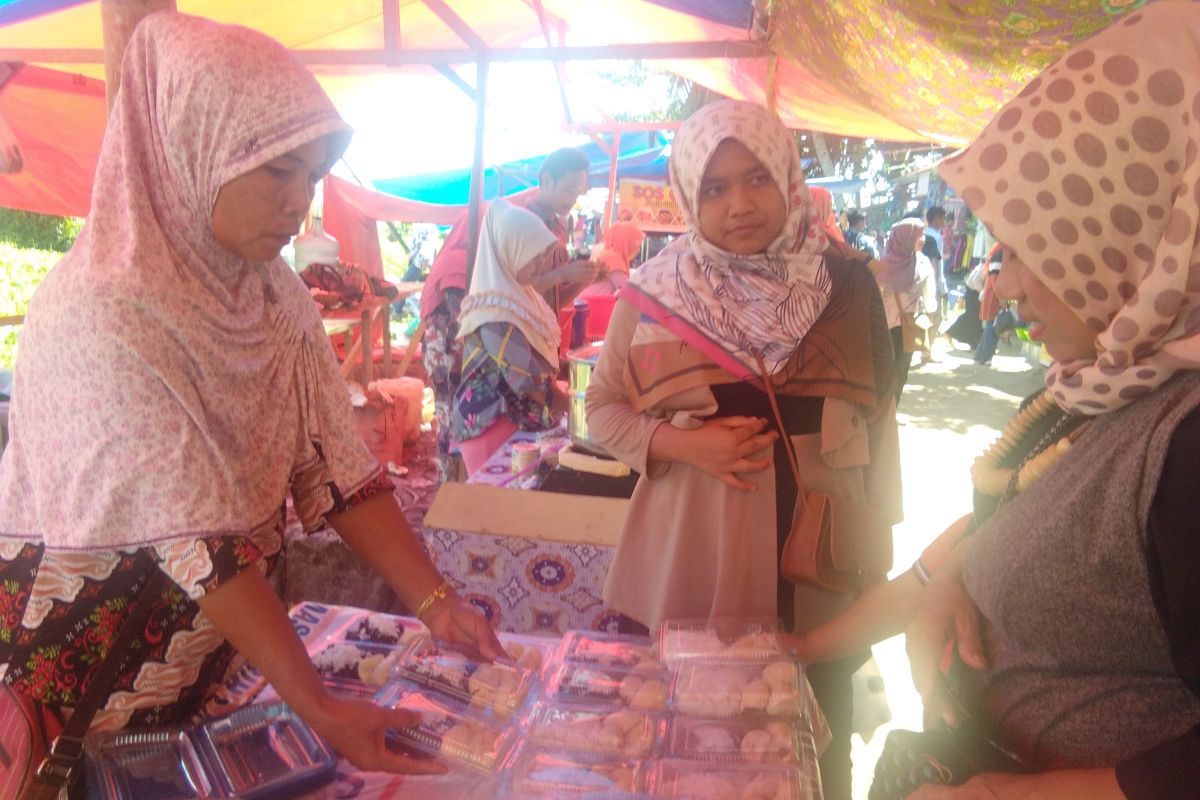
[[457, 622], [356, 729]]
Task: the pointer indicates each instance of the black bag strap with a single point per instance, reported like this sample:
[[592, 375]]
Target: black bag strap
[[67, 748]]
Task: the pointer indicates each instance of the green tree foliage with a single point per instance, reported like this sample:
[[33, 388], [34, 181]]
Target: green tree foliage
[[38, 231], [21, 271]]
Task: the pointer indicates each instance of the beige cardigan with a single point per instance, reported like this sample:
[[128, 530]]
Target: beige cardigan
[[691, 546]]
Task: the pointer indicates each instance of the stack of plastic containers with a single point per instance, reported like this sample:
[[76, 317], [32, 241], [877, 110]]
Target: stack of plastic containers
[[741, 724], [255, 752]]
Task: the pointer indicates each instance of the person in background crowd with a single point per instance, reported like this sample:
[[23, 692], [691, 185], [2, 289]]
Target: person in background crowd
[[822, 202], [856, 234], [561, 180], [622, 241], [989, 308], [676, 394], [906, 281], [1074, 606], [935, 250], [510, 333], [220, 397]]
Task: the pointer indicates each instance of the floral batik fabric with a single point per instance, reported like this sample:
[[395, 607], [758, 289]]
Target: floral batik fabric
[[442, 353], [501, 376]]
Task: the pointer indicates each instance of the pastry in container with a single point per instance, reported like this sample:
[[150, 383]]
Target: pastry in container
[[359, 665], [264, 751], [385, 629], [719, 639], [542, 773], [610, 686], [740, 740], [528, 652], [696, 780], [449, 730], [727, 689], [595, 729], [496, 687], [633, 653]]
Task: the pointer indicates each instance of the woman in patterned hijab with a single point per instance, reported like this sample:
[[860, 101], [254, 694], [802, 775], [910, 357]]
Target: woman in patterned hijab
[[174, 387], [677, 393], [1080, 583]]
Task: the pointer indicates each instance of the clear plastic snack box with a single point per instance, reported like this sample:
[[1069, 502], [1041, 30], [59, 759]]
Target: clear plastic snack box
[[130, 765], [591, 684], [611, 650], [354, 665], [595, 729], [499, 688], [719, 639], [695, 780], [740, 740], [385, 629], [546, 773], [264, 750], [449, 730], [756, 689]]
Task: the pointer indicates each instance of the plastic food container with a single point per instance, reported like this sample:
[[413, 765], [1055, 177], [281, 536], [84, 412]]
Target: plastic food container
[[611, 650], [698, 781], [740, 740], [385, 629], [589, 684], [529, 652], [260, 751], [450, 731], [357, 664], [546, 773], [595, 729], [719, 639], [160, 764], [718, 689], [499, 688]]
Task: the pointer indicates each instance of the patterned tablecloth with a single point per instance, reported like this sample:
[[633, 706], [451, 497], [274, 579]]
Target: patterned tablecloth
[[524, 585]]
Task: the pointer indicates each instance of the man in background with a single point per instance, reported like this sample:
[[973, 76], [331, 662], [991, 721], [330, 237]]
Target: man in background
[[856, 234]]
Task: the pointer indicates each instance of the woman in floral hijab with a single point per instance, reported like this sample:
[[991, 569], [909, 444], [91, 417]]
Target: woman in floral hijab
[[204, 392]]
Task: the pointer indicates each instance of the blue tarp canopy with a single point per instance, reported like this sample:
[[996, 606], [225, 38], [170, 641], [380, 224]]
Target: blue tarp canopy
[[643, 155]]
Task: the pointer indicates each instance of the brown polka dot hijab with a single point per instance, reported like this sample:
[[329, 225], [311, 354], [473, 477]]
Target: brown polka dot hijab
[[1091, 177], [165, 388]]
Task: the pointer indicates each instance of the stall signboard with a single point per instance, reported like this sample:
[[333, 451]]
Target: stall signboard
[[650, 206]]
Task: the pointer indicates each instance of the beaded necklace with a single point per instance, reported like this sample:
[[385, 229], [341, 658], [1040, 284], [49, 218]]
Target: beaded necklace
[[990, 478]]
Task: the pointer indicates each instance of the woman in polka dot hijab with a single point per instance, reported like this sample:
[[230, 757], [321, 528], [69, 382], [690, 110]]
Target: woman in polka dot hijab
[[1091, 178]]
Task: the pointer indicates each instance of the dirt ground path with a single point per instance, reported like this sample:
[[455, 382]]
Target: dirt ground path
[[951, 410]]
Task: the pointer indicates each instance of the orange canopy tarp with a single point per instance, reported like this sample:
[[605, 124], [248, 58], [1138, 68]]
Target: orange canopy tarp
[[58, 121]]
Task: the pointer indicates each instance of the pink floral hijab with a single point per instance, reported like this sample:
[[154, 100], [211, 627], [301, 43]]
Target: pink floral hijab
[[1091, 177], [165, 388], [739, 305]]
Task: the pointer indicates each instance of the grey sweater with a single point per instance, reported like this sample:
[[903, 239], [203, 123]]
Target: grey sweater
[[1081, 669]]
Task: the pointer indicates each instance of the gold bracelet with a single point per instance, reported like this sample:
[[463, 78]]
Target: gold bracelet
[[440, 593]]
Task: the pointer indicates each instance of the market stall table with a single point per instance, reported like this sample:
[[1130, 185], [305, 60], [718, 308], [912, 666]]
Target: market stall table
[[318, 625], [343, 322]]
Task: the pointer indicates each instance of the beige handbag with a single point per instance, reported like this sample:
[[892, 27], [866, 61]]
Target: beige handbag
[[835, 544]]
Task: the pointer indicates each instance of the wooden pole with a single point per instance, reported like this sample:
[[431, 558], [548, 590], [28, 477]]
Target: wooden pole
[[119, 18], [614, 156], [476, 195]]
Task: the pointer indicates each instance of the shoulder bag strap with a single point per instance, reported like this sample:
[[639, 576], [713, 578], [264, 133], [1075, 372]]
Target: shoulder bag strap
[[67, 748], [788, 447]]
